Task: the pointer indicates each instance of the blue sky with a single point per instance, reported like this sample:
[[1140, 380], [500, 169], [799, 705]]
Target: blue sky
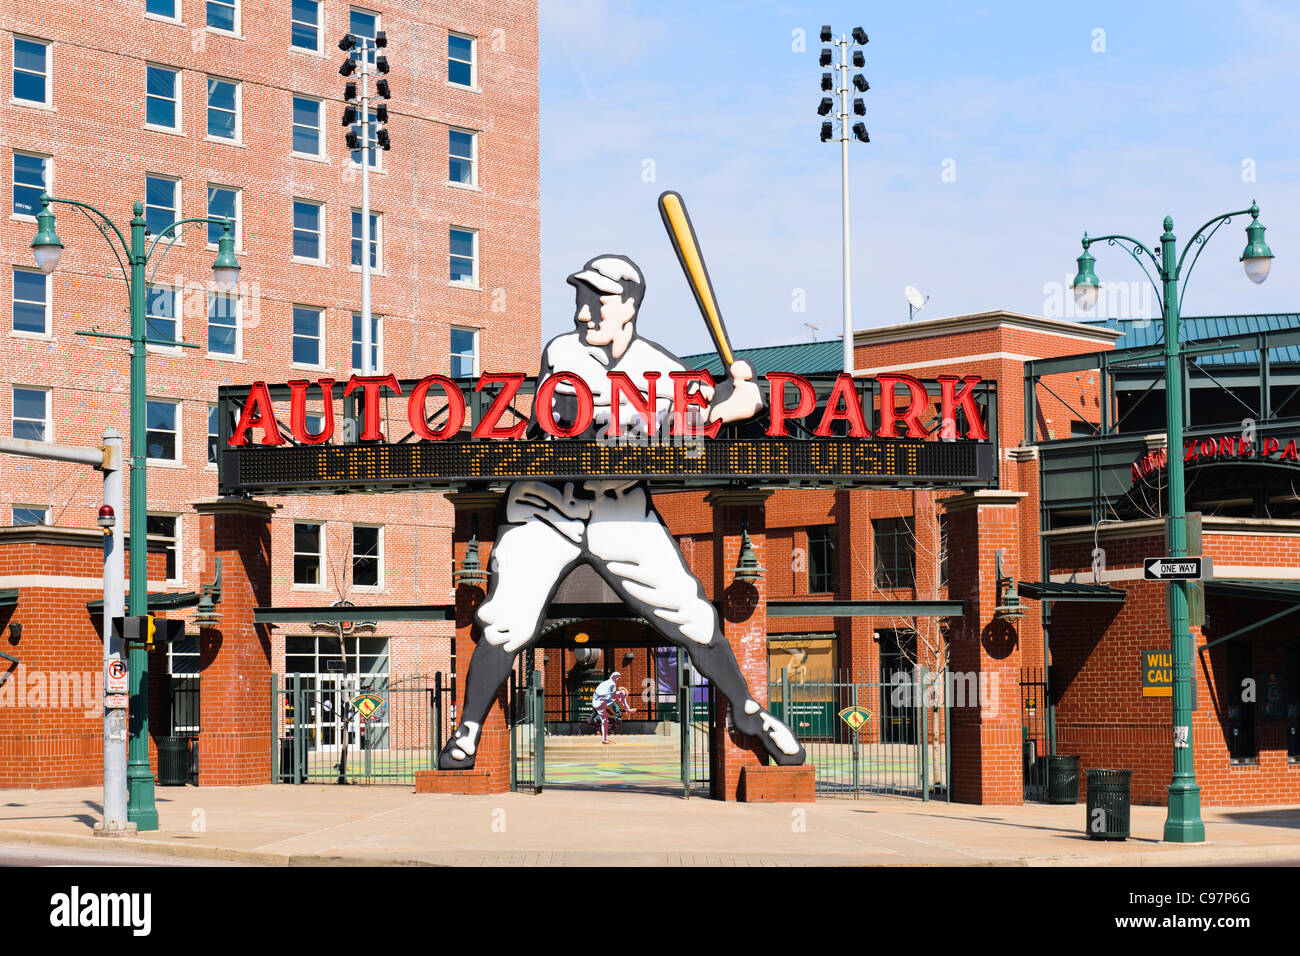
[[1046, 136]]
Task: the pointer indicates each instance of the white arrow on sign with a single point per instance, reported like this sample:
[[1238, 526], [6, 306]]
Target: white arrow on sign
[[1183, 569]]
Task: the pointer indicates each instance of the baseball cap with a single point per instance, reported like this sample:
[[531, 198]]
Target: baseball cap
[[611, 275]]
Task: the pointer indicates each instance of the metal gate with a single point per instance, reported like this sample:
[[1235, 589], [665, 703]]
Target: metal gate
[[527, 719], [322, 738], [1035, 734], [697, 719], [901, 747]]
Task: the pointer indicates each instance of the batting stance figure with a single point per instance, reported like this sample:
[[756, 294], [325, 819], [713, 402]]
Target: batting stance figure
[[610, 523]]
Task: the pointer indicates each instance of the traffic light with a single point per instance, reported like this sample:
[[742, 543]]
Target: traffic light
[[149, 630]]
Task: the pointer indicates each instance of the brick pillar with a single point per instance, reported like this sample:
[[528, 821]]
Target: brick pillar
[[235, 656], [491, 774], [986, 736], [742, 608]]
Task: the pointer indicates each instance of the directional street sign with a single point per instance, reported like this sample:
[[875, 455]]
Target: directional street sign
[[1172, 569]]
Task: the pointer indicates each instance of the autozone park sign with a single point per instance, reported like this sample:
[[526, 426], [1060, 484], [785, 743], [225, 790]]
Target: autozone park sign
[[1223, 448], [377, 433]]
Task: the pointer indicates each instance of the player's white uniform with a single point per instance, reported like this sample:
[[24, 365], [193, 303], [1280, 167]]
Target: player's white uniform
[[551, 526]]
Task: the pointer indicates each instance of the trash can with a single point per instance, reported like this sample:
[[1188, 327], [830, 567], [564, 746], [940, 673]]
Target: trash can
[[173, 761], [1108, 804], [1062, 779], [287, 762]]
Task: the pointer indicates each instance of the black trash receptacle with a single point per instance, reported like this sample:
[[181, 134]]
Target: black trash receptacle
[[1108, 804], [1062, 779], [173, 761]]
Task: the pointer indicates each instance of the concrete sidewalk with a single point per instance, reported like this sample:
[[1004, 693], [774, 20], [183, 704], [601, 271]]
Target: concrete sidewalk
[[312, 825]]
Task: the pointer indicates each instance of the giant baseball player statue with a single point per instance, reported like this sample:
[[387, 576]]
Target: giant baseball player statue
[[550, 527]]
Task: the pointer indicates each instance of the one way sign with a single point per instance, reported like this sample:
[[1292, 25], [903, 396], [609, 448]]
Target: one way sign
[[1172, 569]]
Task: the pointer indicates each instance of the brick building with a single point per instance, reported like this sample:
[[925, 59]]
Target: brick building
[[232, 108]]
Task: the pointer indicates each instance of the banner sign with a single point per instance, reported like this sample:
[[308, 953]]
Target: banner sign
[[1223, 449], [1157, 674]]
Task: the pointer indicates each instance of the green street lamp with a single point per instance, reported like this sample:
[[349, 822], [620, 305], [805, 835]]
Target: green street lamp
[[47, 250], [1183, 823]]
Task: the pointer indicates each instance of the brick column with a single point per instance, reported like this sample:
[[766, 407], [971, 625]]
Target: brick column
[[235, 656], [491, 774], [986, 737], [742, 608]]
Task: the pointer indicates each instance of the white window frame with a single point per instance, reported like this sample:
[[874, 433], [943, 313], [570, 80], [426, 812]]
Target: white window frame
[[239, 212], [320, 557], [180, 446], [178, 298], [320, 30], [450, 353], [180, 123], [320, 125], [48, 102], [376, 238], [473, 158], [379, 23], [175, 210], [320, 336], [237, 31], [16, 506], [320, 233], [238, 354], [178, 521], [473, 61], [49, 408], [13, 179], [378, 342], [49, 311], [376, 154], [475, 283], [379, 585], [179, 18], [239, 109]]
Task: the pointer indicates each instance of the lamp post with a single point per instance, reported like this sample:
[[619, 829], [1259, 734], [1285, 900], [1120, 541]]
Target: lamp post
[[1183, 823], [47, 249]]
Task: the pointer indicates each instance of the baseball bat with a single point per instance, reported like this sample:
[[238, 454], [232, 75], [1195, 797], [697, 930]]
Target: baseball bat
[[682, 235]]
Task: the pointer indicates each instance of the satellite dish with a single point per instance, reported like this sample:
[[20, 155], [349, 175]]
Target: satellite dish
[[914, 297]]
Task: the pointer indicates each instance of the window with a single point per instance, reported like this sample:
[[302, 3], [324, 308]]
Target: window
[[823, 562], [460, 60], [31, 308], [168, 527], [895, 552], [32, 71], [308, 242], [307, 554], [31, 418], [464, 256], [307, 335], [25, 515], [167, 9], [376, 340], [214, 433], [304, 25], [307, 139], [223, 203], [367, 556], [162, 430], [162, 315], [374, 150], [376, 219], [223, 15], [460, 151], [364, 24], [223, 324], [943, 550], [162, 203], [320, 654], [223, 109], [31, 178], [162, 97], [464, 352]]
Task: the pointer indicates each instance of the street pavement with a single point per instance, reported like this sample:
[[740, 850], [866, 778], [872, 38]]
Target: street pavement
[[329, 824]]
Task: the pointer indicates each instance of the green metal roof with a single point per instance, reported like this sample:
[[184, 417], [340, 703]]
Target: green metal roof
[[1047, 591], [804, 358], [1146, 332]]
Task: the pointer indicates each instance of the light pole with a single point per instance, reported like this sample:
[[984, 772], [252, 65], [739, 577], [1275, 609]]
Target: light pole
[[858, 38], [47, 249], [1183, 823]]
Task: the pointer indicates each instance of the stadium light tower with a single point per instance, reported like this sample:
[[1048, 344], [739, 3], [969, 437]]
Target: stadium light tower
[[850, 50]]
